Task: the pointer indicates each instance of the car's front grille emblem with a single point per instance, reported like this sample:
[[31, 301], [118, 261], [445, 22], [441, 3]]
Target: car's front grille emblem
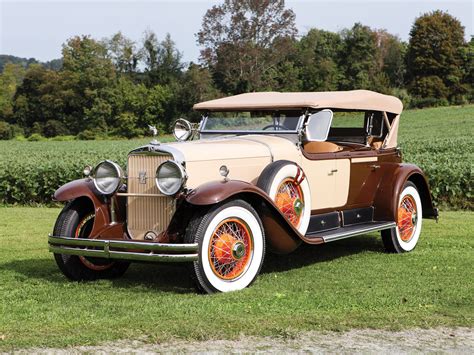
[[142, 177]]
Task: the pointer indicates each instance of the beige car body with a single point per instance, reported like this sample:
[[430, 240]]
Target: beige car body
[[247, 156]]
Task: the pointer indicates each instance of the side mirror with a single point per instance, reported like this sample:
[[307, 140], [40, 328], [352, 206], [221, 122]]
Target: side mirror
[[317, 127], [183, 130]]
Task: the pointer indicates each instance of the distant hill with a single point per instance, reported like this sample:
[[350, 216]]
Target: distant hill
[[54, 64]]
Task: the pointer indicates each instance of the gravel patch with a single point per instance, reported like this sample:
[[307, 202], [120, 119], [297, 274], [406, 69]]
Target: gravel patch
[[439, 340]]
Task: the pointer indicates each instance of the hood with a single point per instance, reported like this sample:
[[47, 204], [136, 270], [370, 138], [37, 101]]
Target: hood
[[241, 147]]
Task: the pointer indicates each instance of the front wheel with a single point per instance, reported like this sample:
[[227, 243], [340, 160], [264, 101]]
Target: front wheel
[[231, 247], [76, 222], [404, 237]]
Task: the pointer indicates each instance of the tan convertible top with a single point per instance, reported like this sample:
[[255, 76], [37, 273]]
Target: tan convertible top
[[346, 100]]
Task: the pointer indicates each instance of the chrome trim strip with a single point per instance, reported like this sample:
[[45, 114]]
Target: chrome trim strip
[[126, 194], [124, 255], [122, 244], [347, 234], [238, 132]]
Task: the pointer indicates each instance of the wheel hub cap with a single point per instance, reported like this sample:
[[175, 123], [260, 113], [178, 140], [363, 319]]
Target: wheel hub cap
[[238, 250], [298, 206]]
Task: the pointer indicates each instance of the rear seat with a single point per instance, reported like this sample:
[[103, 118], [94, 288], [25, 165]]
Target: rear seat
[[321, 147]]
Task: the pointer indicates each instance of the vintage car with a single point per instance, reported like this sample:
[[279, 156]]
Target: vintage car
[[261, 171]]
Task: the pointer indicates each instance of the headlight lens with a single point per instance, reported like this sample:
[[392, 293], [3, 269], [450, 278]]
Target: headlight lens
[[170, 177], [107, 177]]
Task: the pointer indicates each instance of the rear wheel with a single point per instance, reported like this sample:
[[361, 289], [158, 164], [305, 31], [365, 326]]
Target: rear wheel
[[231, 247], [76, 222], [404, 237], [286, 184]]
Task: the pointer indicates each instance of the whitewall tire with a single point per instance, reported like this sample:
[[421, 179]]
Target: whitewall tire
[[231, 247], [404, 237], [287, 185]]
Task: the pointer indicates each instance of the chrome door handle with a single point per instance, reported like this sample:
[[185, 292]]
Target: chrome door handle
[[332, 171], [375, 166]]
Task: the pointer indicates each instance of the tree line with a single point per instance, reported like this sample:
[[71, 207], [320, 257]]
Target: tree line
[[116, 86]]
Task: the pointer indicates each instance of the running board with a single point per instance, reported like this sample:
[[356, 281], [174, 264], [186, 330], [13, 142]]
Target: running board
[[350, 231]]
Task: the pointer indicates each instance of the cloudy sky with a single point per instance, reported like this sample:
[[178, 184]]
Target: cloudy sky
[[38, 28]]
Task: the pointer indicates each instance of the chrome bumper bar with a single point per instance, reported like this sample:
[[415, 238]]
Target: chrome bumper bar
[[123, 249]]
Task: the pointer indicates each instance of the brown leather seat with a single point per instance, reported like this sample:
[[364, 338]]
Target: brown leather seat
[[321, 147]]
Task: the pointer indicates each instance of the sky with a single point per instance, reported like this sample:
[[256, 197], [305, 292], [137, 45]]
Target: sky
[[39, 28]]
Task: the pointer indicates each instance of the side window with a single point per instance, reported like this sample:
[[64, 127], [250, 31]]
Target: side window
[[348, 127], [348, 120]]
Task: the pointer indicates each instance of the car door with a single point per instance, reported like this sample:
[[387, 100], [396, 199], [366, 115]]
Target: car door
[[365, 177], [328, 180]]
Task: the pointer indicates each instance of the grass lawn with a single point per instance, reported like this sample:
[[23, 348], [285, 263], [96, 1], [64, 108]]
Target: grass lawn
[[346, 284]]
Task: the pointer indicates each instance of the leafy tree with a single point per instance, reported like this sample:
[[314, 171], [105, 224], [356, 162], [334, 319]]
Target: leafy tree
[[358, 58], [243, 42], [87, 75], [197, 85], [123, 53], [391, 57], [24, 62], [53, 128], [36, 98], [318, 56], [134, 107], [435, 58], [5, 131], [162, 60], [10, 79]]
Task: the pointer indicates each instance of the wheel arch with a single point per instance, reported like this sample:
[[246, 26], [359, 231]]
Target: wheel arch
[[388, 192], [281, 236], [82, 192], [424, 190]]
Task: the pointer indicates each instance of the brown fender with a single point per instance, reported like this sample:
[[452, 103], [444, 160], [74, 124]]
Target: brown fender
[[84, 189], [388, 193], [281, 235]]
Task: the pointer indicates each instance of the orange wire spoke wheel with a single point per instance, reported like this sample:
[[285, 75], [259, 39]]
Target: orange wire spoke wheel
[[83, 231], [230, 249], [289, 199], [407, 218]]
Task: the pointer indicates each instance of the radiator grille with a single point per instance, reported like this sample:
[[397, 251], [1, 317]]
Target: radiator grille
[[146, 213]]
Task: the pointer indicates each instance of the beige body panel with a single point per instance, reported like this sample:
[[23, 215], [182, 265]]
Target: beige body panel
[[343, 176], [248, 170], [247, 156], [244, 156], [328, 181], [321, 181]]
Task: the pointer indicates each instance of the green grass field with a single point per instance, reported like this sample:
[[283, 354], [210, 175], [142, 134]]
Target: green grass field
[[346, 284]]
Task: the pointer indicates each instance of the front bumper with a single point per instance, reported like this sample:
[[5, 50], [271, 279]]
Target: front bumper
[[123, 249]]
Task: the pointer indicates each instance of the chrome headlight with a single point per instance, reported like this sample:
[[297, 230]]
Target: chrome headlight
[[170, 177], [107, 177]]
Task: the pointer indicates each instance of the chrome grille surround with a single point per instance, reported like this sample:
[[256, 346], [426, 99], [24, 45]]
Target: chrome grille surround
[[149, 210]]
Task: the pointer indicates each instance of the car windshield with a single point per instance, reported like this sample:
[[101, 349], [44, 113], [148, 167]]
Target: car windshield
[[254, 121]]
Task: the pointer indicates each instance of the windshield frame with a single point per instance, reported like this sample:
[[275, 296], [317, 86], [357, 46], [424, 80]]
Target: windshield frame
[[205, 116]]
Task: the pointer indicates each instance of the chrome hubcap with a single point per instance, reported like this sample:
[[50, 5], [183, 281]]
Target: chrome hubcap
[[238, 250]]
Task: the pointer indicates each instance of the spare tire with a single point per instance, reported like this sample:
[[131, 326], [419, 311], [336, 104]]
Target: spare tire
[[287, 185]]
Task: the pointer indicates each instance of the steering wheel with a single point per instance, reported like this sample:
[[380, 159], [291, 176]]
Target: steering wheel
[[275, 126]]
